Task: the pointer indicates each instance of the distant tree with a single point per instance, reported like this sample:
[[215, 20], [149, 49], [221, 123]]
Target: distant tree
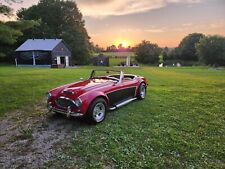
[[172, 54], [112, 48], [211, 50], [129, 49], [10, 33], [96, 48], [147, 52], [6, 9], [121, 48], [165, 52], [161, 57], [60, 19], [186, 48]]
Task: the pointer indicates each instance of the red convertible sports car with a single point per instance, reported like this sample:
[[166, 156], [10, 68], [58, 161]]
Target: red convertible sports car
[[93, 97]]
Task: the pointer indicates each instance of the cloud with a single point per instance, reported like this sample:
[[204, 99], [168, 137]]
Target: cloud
[[154, 30], [148, 30], [103, 8], [218, 24], [187, 24]]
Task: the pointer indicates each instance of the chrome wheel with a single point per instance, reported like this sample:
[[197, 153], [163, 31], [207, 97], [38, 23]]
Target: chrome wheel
[[142, 91], [99, 112]]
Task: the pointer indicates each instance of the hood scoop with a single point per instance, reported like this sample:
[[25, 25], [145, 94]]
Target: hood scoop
[[71, 91]]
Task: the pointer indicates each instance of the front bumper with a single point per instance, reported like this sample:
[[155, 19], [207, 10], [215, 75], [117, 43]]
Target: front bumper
[[67, 112]]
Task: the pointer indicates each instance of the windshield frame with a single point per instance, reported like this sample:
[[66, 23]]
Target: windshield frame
[[119, 80]]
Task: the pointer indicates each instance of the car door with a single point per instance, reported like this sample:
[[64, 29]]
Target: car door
[[122, 91]]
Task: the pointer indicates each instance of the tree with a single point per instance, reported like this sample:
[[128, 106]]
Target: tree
[[63, 20], [5, 9], [186, 48], [172, 54], [161, 58], [9, 34], [147, 52], [97, 48], [211, 50], [11, 31]]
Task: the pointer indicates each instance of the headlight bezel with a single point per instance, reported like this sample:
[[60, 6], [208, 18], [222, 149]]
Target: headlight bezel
[[78, 102], [49, 95]]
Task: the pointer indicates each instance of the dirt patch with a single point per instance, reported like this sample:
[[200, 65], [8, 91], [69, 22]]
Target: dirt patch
[[31, 138]]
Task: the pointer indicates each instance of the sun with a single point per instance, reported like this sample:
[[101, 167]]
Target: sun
[[125, 43]]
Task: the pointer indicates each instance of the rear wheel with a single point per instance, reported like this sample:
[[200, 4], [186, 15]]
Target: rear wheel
[[142, 91], [97, 111]]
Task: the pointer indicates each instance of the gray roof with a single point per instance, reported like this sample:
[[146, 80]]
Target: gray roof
[[39, 44]]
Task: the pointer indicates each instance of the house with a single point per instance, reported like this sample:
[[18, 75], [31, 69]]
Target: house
[[43, 52]]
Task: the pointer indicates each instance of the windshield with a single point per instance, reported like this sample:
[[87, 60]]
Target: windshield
[[108, 74]]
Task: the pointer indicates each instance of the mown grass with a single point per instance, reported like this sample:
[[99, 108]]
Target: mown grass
[[180, 124], [27, 86]]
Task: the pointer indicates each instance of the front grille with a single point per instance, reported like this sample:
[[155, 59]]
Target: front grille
[[64, 102]]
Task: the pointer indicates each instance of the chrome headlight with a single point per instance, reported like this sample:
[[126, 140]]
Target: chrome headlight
[[78, 102], [49, 95]]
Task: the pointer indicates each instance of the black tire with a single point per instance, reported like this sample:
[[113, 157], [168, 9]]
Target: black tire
[[97, 111], [142, 91]]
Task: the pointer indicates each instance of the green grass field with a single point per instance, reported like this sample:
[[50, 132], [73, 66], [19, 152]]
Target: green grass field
[[180, 124]]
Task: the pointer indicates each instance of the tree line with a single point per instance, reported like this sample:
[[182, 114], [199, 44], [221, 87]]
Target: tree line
[[195, 48]]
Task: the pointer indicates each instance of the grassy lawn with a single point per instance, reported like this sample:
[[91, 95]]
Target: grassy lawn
[[180, 124]]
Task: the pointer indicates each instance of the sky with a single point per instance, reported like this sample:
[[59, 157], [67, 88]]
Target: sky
[[164, 22]]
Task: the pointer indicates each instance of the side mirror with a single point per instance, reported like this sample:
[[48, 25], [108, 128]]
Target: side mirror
[[81, 78]]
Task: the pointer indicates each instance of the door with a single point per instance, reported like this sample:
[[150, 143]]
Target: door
[[122, 91], [62, 60]]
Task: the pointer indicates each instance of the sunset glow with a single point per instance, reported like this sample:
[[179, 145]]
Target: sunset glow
[[125, 43], [165, 22]]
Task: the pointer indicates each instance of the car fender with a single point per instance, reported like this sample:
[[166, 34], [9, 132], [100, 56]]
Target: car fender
[[141, 80], [89, 97]]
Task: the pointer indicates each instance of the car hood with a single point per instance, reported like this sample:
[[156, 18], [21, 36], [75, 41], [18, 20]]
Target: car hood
[[76, 89]]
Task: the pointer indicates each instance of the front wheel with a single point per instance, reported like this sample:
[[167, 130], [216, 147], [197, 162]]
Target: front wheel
[[142, 91], [97, 111]]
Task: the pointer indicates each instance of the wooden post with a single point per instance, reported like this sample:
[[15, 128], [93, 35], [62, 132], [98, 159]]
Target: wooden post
[[34, 63], [128, 61], [16, 61], [67, 61]]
